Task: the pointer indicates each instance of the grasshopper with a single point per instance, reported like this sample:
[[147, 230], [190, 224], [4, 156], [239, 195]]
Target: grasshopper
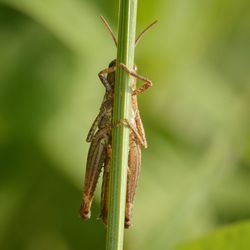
[[100, 138]]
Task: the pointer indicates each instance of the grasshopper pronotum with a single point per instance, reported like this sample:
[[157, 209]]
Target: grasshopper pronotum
[[100, 138]]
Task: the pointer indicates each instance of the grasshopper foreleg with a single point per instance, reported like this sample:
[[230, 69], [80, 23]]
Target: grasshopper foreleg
[[103, 78], [147, 83]]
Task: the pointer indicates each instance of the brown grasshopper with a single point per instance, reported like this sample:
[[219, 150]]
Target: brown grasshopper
[[100, 137]]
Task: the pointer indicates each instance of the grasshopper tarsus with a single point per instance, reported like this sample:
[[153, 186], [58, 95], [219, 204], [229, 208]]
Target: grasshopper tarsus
[[128, 215], [85, 212]]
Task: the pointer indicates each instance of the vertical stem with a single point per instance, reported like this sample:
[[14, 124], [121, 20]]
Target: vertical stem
[[120, 135]]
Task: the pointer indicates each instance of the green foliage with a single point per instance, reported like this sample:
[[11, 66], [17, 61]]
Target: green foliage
[[195, 173], [229, 238]]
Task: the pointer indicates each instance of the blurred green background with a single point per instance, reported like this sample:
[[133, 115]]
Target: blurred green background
[[196, 171]]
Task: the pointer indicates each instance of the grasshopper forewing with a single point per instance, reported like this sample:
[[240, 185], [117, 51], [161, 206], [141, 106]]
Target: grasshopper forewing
[[100, 137]]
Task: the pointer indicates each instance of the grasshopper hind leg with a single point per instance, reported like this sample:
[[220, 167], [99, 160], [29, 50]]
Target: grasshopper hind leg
[[105, 187], [95, 162], [134, 166]]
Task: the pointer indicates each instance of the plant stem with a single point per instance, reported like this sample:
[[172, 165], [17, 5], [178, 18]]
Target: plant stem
[[120, 134]]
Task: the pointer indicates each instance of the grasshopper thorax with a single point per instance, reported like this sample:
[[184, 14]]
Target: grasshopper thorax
[[111, 76]]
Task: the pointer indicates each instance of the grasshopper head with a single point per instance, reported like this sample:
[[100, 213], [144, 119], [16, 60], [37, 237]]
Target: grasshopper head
[[111, 76], [113, 63]]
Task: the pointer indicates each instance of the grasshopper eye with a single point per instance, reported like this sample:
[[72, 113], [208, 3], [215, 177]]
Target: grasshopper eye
[[113, 63]]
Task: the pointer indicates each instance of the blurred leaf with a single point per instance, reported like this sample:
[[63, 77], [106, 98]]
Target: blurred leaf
[[74, 25], [234, 237], [184, 203], [72, 22], [195, 173]]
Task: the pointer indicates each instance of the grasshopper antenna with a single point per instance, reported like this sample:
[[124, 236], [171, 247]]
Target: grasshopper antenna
[[144, 31], [109, 29]]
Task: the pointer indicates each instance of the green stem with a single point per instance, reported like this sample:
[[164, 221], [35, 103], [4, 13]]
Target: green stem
[[120, 135]]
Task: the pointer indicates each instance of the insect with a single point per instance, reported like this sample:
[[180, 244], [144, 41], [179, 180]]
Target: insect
[[100, 138]]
